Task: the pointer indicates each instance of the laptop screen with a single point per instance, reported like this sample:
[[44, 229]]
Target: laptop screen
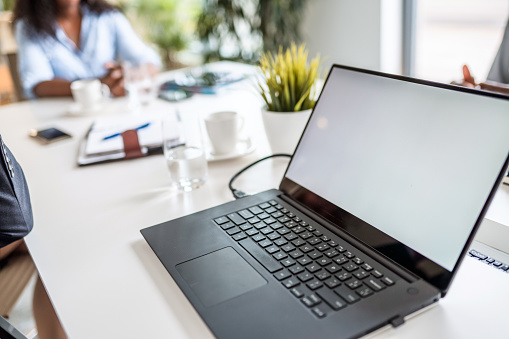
[[412, 159]]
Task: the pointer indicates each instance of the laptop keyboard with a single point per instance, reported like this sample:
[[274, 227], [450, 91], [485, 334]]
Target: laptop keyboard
[[316, 266]]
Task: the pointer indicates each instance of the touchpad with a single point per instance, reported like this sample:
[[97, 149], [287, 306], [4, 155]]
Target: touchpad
[[220, 276]]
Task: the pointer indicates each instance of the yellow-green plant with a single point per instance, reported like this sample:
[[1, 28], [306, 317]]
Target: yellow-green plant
[[288, 82]]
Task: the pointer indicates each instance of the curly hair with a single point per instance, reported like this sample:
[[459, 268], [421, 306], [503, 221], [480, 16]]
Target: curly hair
[[40, 15]]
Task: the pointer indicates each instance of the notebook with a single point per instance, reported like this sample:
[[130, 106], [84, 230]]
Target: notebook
[[377, 208]]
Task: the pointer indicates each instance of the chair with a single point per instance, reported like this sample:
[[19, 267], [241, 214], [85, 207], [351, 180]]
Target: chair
[[14, 277], [12, 61]]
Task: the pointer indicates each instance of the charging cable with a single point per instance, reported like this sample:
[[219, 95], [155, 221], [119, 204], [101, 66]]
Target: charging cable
[[237, 194]]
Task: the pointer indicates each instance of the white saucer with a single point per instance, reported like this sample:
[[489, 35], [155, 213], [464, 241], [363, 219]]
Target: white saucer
[[76, 109], [244, 147]]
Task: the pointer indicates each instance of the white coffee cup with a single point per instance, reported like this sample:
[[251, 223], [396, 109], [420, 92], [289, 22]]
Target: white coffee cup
[[223, 129], [89, 94]]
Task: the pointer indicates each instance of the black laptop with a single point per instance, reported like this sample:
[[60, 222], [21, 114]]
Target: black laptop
[[384, 193]]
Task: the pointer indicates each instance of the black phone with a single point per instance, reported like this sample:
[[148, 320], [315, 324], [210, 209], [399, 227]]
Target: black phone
[[49, 135]]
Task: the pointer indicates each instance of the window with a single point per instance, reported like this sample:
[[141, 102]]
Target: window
[[451, 33]]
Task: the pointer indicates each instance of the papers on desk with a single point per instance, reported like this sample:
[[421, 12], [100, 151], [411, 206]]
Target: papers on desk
[[95, 148]]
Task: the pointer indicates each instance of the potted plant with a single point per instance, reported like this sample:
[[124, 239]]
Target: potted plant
[[288, 86]]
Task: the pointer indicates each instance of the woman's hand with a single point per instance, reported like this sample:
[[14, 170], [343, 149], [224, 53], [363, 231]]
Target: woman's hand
[[114, 79]]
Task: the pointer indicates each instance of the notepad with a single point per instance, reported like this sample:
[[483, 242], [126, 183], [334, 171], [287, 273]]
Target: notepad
[[150, 136]]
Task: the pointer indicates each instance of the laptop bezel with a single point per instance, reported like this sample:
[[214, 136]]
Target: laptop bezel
[[402, 255]]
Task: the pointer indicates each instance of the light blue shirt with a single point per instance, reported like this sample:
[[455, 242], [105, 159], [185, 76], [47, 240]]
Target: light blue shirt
[[104, 37]]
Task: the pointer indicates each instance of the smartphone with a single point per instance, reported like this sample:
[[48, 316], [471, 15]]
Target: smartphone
[[49, 135]]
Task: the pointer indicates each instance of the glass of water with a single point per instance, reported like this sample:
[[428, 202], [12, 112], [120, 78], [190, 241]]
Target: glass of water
[[184, 153], [139, 84]]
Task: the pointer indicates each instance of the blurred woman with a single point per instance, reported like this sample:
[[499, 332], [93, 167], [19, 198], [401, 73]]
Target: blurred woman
[[60, 41]]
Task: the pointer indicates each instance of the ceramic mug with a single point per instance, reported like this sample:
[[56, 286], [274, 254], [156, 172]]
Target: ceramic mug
[[223, 129], [89, 94]]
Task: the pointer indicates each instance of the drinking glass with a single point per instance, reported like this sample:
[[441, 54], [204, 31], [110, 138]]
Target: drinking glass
[[139, 84], [184, 153]]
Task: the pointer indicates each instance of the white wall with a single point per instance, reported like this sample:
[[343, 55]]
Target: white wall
[[365, 33]]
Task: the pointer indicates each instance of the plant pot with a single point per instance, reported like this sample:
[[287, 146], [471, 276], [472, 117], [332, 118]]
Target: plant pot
[[283, 129]]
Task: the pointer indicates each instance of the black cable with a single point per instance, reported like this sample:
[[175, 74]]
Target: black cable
[[237, 194]]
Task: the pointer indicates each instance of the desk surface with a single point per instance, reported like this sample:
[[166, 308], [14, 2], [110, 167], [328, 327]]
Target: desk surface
[[103, 278]]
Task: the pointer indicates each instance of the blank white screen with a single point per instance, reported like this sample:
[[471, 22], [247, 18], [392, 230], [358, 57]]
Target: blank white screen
[[416, 162]]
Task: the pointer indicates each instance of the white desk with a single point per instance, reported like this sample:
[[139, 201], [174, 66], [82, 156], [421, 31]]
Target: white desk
[[101, 275]]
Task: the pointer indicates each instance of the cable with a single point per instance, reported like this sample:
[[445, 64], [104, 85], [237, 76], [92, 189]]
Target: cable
[[237, 194]]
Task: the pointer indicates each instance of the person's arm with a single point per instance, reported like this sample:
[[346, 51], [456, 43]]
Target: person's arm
[[129, 45], [16, 219]]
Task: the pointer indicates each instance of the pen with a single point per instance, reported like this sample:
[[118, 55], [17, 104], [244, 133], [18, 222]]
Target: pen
[[117, 134]]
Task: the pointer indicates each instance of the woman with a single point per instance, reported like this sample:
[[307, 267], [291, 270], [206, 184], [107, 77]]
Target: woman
[[60, 41]]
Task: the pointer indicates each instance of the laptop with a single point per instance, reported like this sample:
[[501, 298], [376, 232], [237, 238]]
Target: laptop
[[376, 210]]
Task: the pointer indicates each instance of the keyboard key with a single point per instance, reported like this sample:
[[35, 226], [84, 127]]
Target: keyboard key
[[332, 282], [305, 276], [252, 232], [478, 255], [306, 248], [277, 214], [291, 224], [298, 242], [364, 292], [221, 220], [270, 220], [264, 205], [324, 261], [263, 215], [255, 210], [388, 281], [290, 282], [358, 261], [237, 219], [308, 302], [299, 229], [270, 210], [287, 262], [374, 284], [350, 267], [295, 269], [313, 267], [296, 291], [340, 248], [273, 236], [282, 275], [290, 236], [278, 206], [265, 243], [260, 225], [347, 294], [504, 267], [314, 254], [314, 284], [260, 255], [266, 230], [275, 226], [288, 248], [227, 225], [349, 255], [239, 236], [332, 299], [280, 255], [290, 215], [377, 274], [314, 241], [280, 242], [361, 274], [284, 210], [318, 312], [333, 268], [322, 247], [340, 260], [273, 202], [354, 284], [296, 254], [367, 267], [333, 243], [246, 214], [325, 238], [272, 249], [245, 227], [283, 231], [306, 235], [317, 233], [253, 220], [331, 253], [322, 275], [283, 219], [343, 276], [258, 237], [233, 231], [304, 260], [304, 224]]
